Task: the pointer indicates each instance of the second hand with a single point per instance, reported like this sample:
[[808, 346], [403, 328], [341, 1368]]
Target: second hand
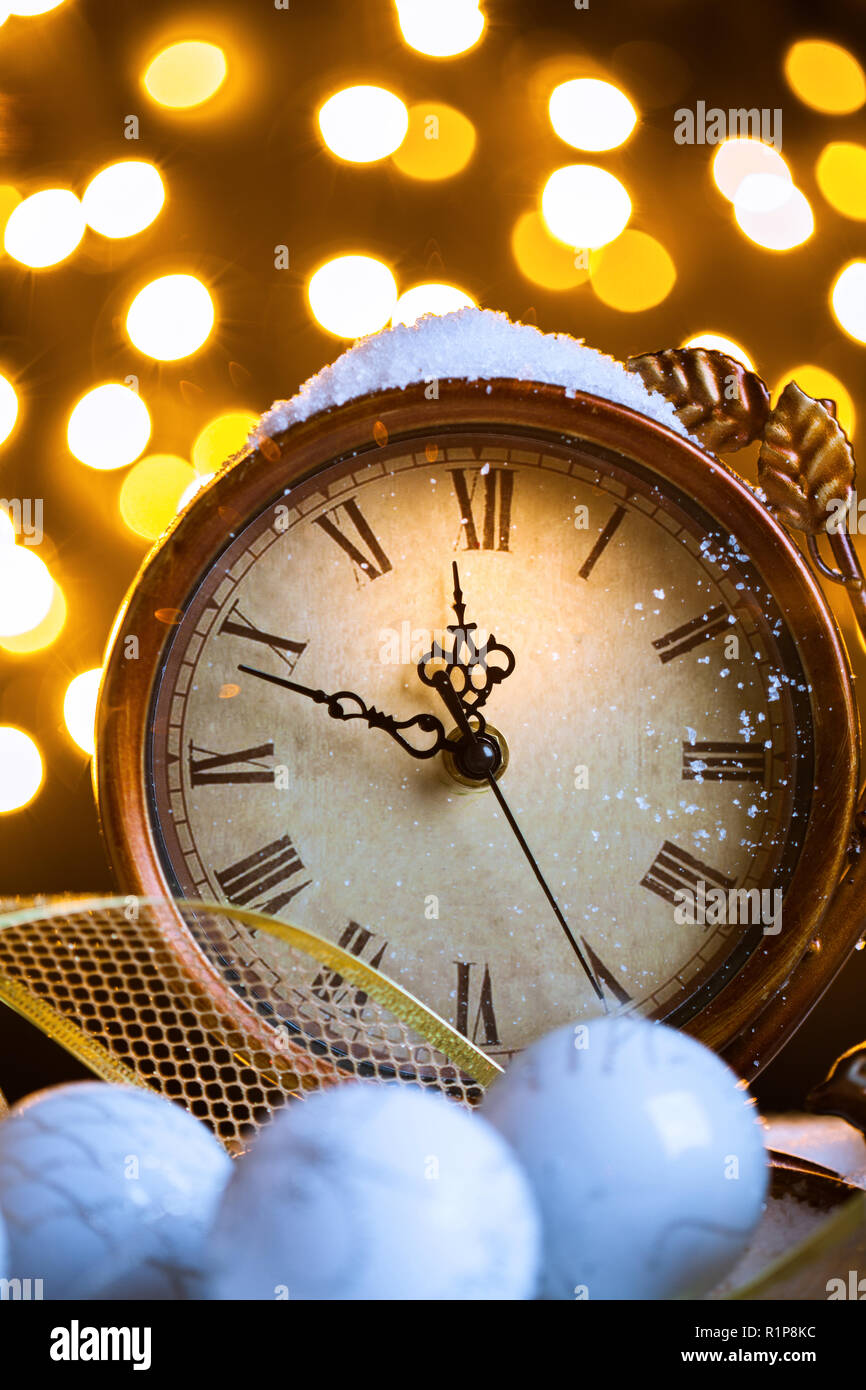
[[455, 708]]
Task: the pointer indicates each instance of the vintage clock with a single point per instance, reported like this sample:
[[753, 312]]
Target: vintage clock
[[522, 696]]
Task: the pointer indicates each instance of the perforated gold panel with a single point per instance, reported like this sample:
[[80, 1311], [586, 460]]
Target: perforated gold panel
[[161, 995]]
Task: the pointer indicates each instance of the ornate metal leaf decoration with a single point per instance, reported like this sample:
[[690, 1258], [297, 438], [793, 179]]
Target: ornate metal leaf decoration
[[806, 462], [719, 401]]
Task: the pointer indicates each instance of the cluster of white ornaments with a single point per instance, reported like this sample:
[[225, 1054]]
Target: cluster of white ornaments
[[616, 1159]]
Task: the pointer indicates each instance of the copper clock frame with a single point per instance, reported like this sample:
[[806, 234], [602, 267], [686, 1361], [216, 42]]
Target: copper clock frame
[[750, 1017]]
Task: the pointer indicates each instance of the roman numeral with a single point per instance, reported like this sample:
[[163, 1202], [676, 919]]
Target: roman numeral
[[207, 769], [248, 882], [673, 870], [484, 1014], [724, 762], [236, 625], [604, 976], [364, 562], [497, 486], [330, 986], [691, 634], [601, 543]]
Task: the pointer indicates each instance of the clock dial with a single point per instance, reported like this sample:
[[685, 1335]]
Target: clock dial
[[653, 738]]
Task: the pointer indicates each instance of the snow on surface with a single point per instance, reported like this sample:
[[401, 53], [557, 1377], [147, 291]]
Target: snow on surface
[[469, 344]]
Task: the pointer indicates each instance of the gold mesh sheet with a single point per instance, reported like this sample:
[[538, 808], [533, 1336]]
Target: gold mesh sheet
[[168, 995]]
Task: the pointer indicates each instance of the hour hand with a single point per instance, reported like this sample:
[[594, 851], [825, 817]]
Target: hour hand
[[346, 705]]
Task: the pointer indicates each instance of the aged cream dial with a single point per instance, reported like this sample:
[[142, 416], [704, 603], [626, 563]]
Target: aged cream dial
[[656, 726]]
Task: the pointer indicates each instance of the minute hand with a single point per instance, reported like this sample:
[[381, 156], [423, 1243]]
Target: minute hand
[[455, 707], [374, 718]]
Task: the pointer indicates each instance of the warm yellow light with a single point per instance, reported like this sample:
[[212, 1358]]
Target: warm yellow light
[[823, 385], [44, 633], [26, 590], [44, 228], [735, 159], [7, 528], [192, 488], [26, 8], [222, 437], [848, 298], [439, 142], [186, 74], [726, 345], [590, 114], [151, 491], [825, 76], [841, 175], [353, 295], [362, 124], [585, 206], [21, 769], [124, 198], [440, 28], [79, 708], [8, 408], [171, 317], [9, 200], [544, 260], [430, 299], [109, 427], [634, 273], [772, 212]]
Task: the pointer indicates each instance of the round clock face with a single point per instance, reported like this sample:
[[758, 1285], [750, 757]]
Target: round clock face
[[652, 737]]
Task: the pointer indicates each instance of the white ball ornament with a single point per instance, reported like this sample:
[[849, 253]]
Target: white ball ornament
[[107, 1191], [371, 1191], [645, 1154]]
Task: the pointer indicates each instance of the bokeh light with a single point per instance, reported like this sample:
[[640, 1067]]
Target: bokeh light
[[363, 124], [9, 200], [585, 206], [591, 114], [439, 142], [124, 198], [27, 8], [8, 408], [186, 74], [79, 708], [440, 28], [109, 427], [45, 228], [841, 175], [848, 298], [823, 385], [26, 590], [634, 273], [21, 769], [222, 437], [721, 344], [772, 212], [740, 156], [353, 295], [44, 633], [171, 317], [430, 299], [825, 76], [542, 259], [151, 492]]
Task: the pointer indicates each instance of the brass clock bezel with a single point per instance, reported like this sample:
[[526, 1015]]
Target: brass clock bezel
[[752, 1014]]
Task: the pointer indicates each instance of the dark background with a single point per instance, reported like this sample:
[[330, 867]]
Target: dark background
[[248, 171]]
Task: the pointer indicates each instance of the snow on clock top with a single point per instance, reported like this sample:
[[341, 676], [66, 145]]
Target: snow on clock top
[[470, 344]]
